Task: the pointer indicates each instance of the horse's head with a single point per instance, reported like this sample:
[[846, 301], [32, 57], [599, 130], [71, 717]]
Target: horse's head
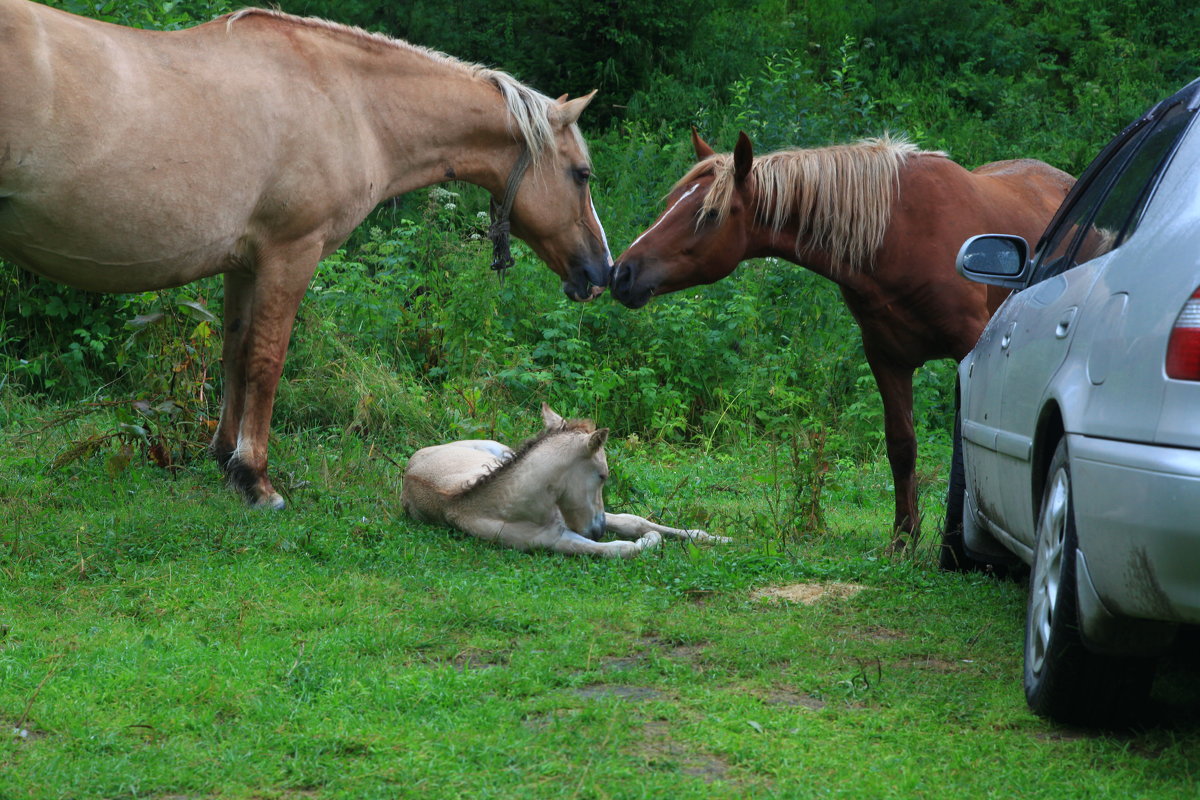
[[553, 211], [702, 234], [585, 469]]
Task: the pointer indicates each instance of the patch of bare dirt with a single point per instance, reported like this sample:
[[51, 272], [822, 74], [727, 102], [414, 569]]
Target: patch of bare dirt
[[676, 650], [807, 593], [786, 697], [934, 664], [664, 753], [685, 652], [599, 691], [699, 597], [472, 659], [546, 719], [877, 633], [618, 664]]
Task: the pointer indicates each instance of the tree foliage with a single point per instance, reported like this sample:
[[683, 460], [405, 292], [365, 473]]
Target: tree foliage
[[771, 346], [558, 47]]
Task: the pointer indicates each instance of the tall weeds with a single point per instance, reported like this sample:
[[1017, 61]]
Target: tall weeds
[[406, 337]]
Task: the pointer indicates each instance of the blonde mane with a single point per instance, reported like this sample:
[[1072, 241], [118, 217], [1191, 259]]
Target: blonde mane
[[528, 109], [841, 195]]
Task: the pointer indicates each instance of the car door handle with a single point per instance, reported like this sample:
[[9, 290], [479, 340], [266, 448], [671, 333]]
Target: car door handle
[[1064, 324], [1006, 339]]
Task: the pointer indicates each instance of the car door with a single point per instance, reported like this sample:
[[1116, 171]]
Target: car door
[[1022, 345], [1041, 324], [983, 382]]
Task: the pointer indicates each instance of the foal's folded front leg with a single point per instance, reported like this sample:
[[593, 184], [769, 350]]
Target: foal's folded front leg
[[631, 526], [571, 543]]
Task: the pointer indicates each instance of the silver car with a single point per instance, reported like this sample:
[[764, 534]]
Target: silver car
[[1077, 449]]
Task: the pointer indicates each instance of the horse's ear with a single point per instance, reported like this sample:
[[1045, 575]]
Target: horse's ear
[[703, 151], [743, 157], [568, 111], [598, 439], [549, 418]]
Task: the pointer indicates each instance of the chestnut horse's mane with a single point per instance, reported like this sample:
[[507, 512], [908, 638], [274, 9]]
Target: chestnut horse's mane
[[842, 195], [528, 108]]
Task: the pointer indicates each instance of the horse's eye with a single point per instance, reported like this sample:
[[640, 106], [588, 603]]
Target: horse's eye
[[583, 175]]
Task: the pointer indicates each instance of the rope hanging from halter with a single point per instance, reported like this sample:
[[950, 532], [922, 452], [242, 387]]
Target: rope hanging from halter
[[498, 232]]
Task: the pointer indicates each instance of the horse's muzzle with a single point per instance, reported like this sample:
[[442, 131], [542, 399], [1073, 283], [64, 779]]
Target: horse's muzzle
[[587, 281], [625, 286], [596, 530]]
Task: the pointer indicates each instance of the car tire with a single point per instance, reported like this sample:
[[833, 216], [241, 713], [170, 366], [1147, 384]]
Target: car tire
[[952, 556], [1064, 681]]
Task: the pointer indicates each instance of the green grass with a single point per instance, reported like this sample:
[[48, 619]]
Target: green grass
[[159, 640]]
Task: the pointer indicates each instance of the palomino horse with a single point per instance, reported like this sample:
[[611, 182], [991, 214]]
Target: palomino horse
[[251, 146], [548, 494], [881, 219]]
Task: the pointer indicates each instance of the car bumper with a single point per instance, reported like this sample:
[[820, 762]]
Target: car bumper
[[1137, 513]]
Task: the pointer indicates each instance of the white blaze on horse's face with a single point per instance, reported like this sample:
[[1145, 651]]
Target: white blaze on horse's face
[[670, 210], [685, 246], [553, 211]]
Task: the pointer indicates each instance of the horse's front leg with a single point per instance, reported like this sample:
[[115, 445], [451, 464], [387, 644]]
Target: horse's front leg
[[632, 527], [239, 290], [571, 543], [274, 295], [895, 387]]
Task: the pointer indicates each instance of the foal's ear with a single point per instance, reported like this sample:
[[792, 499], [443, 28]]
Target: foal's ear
[[568, 111], [598, 439], [743, 157], [549, 418], [703, 151]]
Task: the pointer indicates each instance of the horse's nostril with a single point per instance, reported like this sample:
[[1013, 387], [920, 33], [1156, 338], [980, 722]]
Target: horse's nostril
[[622, 278]]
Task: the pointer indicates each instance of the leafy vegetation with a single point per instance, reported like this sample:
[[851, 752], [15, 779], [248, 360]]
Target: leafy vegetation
[[768, 350], [156, 639]]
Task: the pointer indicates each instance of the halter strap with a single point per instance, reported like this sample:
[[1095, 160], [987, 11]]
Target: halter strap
[[498, 232]]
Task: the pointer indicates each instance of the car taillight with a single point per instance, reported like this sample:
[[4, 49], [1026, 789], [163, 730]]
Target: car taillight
[[1183, 348]]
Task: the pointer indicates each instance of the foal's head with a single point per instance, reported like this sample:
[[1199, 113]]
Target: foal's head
[[584, 469], [553, 211], [702, 235]]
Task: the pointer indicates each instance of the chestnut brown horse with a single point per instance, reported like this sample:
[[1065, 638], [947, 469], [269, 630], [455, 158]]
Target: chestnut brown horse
[[881, 219], [252, 146]]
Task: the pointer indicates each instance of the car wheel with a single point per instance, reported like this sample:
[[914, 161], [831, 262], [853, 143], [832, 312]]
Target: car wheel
[[952, 556], [1065, 681]]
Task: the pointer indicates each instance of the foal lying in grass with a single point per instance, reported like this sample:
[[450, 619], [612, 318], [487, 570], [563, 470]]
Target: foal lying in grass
[[548, 494]]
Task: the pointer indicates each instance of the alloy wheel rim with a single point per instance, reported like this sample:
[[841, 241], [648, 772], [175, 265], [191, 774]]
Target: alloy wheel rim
[[1051, 538]]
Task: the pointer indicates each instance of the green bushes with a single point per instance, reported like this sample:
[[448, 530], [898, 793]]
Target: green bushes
[[407, 336], [164, 15], [770, 345]]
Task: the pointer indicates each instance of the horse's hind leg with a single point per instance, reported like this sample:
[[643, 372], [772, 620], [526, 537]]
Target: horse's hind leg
[[275, 292], [631, 526]]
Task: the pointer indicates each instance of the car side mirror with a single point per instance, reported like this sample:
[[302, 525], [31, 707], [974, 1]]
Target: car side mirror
[[998, 259]]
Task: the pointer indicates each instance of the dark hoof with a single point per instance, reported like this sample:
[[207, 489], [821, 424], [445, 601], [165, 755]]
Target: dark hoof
[[254, 486], [273, 502]]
